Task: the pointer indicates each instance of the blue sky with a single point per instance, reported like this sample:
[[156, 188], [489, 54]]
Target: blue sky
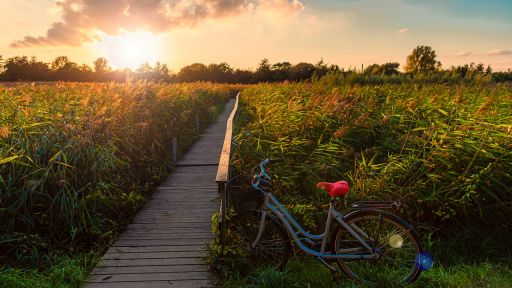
[[343, 32]]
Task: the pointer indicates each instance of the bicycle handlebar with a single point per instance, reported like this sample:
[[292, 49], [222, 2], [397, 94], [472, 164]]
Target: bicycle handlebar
[[268, 161], [263, 176]]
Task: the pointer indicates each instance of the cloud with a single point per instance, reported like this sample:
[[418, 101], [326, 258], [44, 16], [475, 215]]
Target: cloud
[[280, 8], [464, 53], [403, 31], [499, 52], [83, 19]]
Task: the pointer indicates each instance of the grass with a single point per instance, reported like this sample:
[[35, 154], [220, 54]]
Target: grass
[[306, 273], [77, 161], [444, 151], [63, 272]]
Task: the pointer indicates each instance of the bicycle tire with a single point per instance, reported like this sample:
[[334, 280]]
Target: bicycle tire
[[274, 247], [389, 235]]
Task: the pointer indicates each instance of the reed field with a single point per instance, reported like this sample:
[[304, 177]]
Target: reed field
[[78, 160], [444, 151]]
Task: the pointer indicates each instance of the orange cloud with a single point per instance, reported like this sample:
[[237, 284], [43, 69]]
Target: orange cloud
[[83, 19], [499, 52], [464, 53], [281, 8]]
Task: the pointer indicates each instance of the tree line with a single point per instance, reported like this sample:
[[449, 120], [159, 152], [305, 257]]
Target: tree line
[[422, 61]]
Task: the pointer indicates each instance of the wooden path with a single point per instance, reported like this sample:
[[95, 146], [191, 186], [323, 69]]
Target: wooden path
[[163, 245]]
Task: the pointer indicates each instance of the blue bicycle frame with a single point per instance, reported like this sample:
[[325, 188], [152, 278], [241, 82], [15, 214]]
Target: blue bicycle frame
[[272, 204]]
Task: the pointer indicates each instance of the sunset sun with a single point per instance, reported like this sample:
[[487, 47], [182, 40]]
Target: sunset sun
[[130, 50]]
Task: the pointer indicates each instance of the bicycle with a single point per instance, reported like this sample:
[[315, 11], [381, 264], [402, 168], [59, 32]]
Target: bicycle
[[365, 243]]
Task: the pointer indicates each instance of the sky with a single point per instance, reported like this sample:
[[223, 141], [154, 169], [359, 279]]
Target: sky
[[348, 33]]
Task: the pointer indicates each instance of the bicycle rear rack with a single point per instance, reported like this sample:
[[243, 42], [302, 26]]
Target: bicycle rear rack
[[382, 205]]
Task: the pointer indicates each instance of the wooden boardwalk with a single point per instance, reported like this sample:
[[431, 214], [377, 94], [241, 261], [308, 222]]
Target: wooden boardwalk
[[163, 245]]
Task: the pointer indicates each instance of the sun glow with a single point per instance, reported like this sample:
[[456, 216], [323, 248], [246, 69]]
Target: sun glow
[[130, 50]]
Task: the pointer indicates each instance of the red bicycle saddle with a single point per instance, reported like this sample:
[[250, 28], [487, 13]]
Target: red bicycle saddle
[[336, 189]]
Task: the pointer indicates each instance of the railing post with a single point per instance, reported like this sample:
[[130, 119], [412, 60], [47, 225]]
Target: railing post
[[174, 149], [222, 212]]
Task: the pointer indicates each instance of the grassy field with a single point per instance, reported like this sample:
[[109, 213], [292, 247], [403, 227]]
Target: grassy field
[[76, 163], [78, 160], [444, 151]]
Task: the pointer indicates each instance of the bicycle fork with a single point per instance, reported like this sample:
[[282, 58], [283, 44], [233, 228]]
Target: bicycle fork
[[262, 221], [261, 228]]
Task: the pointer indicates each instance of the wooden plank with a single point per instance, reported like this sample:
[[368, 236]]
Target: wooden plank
[[158, 208], [188, 213], [170, 225], [192, 218], [186, 185], [168, 248], [185, 219], [169, 206], [161, 230], [177, 206], [182, 211], [150, 262], [160, 236], [199, 275], [179, 214], [154, 284], [180, 199], [159, 242], [150, 269], [150, 255]]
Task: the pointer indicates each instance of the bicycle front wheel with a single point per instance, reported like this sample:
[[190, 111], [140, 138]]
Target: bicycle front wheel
[[274, 246], [390, 237]]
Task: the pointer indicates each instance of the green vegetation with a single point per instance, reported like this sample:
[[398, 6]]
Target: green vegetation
[[307, 273], [421, 67], [63, 272], [444, 151], [78, 160]]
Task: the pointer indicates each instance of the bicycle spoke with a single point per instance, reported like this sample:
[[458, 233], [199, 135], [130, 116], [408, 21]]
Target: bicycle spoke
[[273, 246], [378, 231], [391, 241]]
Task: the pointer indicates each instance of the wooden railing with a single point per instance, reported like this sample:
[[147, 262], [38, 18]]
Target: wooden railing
[[223, 171]]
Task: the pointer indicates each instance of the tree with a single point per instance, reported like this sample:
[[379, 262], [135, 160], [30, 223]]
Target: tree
[[23, 69], [59, 63], [386, 69], [194, 72], [302, 71], [161, 72], [222, 73], [101, 65], [144, 68], [422, 60], [321, 68], [264, 72], [389, 68], [243, 76], [282, 71], [488, 70]]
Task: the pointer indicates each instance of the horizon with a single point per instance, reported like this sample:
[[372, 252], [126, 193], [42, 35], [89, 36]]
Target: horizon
[[178, 33]]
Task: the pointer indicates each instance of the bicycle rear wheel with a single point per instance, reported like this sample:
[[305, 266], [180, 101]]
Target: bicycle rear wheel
[[389, 236], [274, 246]]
